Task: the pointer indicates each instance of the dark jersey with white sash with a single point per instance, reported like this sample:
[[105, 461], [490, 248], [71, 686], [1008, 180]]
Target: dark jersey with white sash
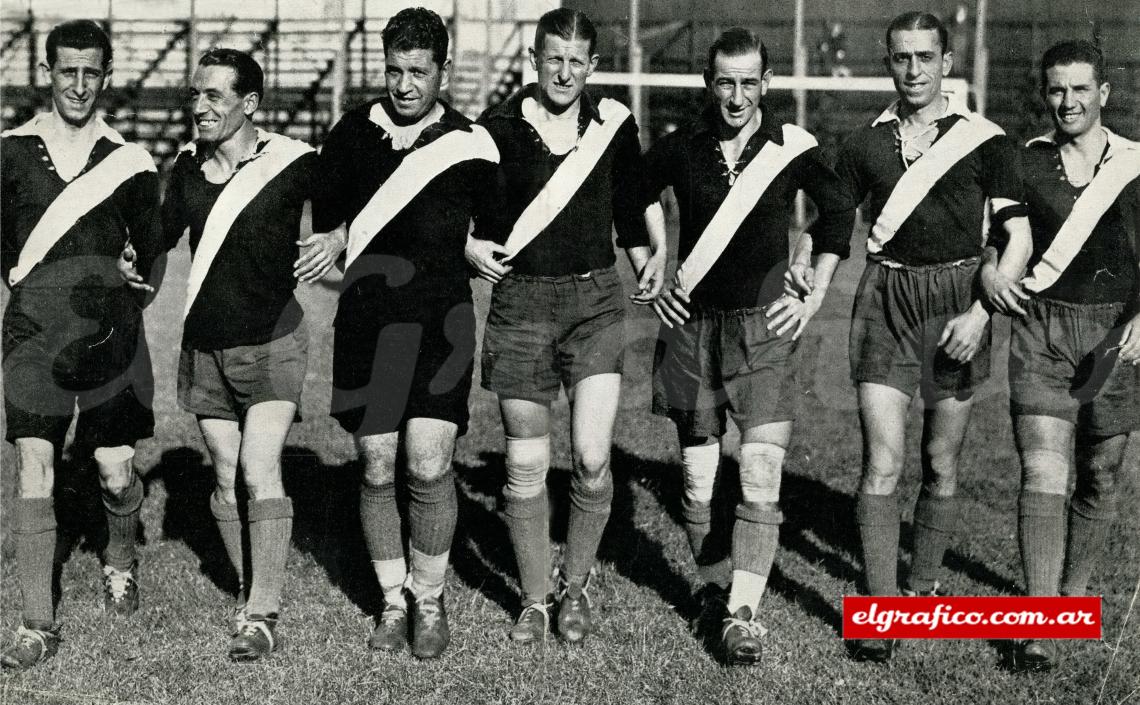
[[578, 238], [749, 271], [947, 223], [1104, 269], [417, 255], [246, 297], [85, 254]]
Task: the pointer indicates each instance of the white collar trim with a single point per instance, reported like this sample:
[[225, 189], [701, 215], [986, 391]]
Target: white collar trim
[[891, 114], [38, 126], [403, 136]]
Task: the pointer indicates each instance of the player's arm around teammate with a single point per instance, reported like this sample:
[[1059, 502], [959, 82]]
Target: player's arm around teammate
[[729, 335], [74, 192], [928, 168], [240, 192], [1073, 373], [570, 172]]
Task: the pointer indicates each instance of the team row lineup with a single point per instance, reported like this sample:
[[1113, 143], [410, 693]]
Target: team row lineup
[[412, 199]]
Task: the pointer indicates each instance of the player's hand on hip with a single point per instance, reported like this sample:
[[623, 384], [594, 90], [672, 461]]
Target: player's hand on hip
[[1003, 293], [799, 280], [790, 313], [962, 336], [1130, 342], [130, 275], [325, 249], [671, 306], [651, 281], [488, 258]]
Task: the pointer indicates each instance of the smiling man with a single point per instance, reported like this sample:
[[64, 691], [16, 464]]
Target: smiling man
[[570, 174], [405, 173], [73, 193], [1074, 364], [240, 191], [930, 170], [729, 334]]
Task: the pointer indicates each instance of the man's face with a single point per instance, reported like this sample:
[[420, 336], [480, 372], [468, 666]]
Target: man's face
[[1074, 97], [219, 111], [77, 78], [917, 64], [563, 65], [737, 83], [414, 81]]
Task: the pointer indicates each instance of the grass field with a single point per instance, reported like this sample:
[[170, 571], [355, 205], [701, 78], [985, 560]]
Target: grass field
[[173, 650]]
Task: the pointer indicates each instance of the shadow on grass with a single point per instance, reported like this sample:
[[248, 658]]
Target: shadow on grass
[[811, 508], [189, 480]]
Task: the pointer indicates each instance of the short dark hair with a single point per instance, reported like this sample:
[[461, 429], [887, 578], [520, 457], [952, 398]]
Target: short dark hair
[[416, 28], [736, 41], [78, 34], [248, 76], [565, 23], [918, 20], [1074, 51]]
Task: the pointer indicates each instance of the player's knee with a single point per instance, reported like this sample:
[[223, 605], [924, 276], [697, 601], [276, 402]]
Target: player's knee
[[116, 469], [760, 467], [432, 487], [883, 461], [429, 467], [699, 464], [1045, 471], [379, 474], [1095, 494], [224, 494], [591, 464], [263, 478], [36, 470], [528, 460]]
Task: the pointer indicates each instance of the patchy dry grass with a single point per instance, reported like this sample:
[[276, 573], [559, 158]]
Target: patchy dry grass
[[173, 650]]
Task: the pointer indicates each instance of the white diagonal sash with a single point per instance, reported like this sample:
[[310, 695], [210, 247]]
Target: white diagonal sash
[[414, 173], [1087, 211], [741, 199], [568, 178], [238, 193], [964, 137], [75, 201]]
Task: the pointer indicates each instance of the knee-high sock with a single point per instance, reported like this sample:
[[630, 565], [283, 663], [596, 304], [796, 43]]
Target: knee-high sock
[[527, 513], [1091, 514], [1041, 536], [270, 530], [878, 519], [380, 522], [590, 502], [755, 536], [228, 519], [528, 523], [710, 550], [432, 513], [123, 524], [34, 529], [935, 520]]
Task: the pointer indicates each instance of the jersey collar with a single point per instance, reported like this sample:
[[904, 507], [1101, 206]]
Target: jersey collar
[[38, 126], [891, 114]]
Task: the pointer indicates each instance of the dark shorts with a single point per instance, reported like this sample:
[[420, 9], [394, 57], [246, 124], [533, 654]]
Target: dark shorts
[[546, 331], [1063, 363], [401, 363], [224, 384], [56, 361], [900, 313], [721, 363]]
